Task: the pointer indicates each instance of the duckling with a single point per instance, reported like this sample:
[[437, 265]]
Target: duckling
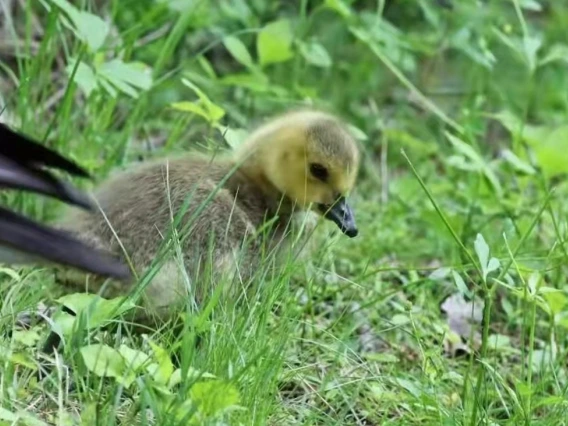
[[233, 207], [24, 241]]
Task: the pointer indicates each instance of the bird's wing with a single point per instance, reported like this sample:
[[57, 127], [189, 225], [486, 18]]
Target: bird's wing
[[17, 176], [25, 241], [23, 150]]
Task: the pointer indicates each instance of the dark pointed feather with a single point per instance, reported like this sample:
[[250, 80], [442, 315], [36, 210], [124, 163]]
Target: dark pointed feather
[[16, 176], [25, 151], [24, 241]]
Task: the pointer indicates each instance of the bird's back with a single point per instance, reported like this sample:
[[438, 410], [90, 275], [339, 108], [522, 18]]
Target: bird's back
[[222, 207]]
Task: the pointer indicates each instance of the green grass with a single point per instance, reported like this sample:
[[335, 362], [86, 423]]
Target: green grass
[[463, 125]]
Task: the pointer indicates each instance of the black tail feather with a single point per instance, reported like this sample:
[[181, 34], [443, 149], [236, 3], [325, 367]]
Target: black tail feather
[[25, 241], [27, 152], [16, 176]]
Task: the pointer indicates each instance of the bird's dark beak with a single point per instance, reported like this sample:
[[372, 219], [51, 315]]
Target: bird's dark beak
[[341, 214]]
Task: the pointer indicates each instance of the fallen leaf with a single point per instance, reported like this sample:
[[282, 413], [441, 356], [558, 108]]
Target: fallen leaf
[[462, 316]]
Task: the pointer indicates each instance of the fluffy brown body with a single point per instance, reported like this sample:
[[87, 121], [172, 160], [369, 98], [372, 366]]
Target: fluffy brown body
[[237, 209]]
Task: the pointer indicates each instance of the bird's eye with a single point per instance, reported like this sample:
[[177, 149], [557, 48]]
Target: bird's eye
[[318, 171]]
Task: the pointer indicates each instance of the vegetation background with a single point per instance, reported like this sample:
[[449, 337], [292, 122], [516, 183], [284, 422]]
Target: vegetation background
[[461, 108]]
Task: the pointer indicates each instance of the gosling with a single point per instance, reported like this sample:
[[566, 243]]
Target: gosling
[[302, 161]]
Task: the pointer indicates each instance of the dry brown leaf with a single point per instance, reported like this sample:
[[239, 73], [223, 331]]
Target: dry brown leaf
[[462, 317]]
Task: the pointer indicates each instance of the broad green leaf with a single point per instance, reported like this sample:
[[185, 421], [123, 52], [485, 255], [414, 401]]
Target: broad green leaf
[[191, 375], [175, 379], [542, 360], [431, 12], [531, 5], [65, 418], [526, 48], [256, 82], [532, 283], [315, 54], [550, 150], [109, 88], [8, 415], [88, 27], [460, 283], [493, 265], [181, 6], [465, 149], [460, 162], [92, 29], [508, 120], [205, 107], [499, 341], [410, 387], [122, 86], [164, 369], [556, 300], [274, 42], [213, 115], [482, 251], [339, 6], [126, 77], [108, 309], [517, 163], [134, 359], [557, 53], [357, 133], [104, 361], [545, 141], [214, 397], [136, 74], [239, 51], [439, 273], [18, 358], [207, 67], [237, 10], [98, 311], [26, 337], [488, 265], [380, 394], [454, 376], [511, 42], [192, 107], [400, 319], [531, 47], [84, 76], [20, 418], [533, 135], [63, 323], [234, 137], [78, 302], [476, 51], [548, 290]]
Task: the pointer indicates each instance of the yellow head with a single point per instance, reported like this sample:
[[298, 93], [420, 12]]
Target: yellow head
[[311, 158]]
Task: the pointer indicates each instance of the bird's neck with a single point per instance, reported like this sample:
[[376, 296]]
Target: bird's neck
[[276, 202]]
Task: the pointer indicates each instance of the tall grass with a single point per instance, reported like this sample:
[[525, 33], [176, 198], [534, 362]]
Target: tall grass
[[352, 334]]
